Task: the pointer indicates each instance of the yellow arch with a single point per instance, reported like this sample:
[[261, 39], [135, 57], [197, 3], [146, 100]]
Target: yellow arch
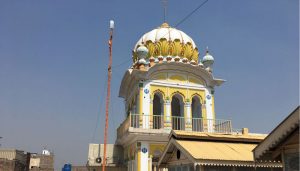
[[179, 93], [158, 91], [199, 96]]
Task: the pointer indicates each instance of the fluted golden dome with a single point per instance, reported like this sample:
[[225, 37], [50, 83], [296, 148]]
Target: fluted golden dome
[[166, 41]]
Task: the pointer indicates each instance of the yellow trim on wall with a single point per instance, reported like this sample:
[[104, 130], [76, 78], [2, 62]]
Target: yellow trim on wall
[[162, 76], [200, 93], [139, 160], [195, 80], [155, 147], [180, 91], [156, 88], [149, 164], [177, 78]]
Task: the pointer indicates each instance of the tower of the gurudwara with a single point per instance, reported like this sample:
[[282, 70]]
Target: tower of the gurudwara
[[167, 88]]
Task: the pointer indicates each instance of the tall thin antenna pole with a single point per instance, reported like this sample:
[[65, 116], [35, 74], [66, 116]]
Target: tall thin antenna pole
[[108, 92], [165, 3]]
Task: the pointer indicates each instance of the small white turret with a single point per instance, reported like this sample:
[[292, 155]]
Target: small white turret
[[142, 52], [208, 61]]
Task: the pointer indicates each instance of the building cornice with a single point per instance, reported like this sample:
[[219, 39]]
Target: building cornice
[[133, 76]]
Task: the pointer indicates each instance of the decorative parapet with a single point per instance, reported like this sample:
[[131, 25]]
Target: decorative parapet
[[161, 122]]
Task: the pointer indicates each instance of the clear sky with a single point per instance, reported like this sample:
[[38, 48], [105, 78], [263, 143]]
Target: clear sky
[[54, 55]]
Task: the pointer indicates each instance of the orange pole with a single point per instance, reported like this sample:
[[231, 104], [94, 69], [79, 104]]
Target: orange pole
[[107, 98]]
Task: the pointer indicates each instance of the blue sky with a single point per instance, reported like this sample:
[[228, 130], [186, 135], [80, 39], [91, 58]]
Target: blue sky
[[53, 57]]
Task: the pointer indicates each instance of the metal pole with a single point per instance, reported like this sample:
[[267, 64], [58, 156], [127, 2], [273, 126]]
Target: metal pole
[[108, 93]]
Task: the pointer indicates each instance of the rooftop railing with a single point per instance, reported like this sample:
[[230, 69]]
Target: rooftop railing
[[175, 123]]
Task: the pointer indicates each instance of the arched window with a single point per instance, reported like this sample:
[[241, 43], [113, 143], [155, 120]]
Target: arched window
[[177, 108], [158, 111], [158, 104], [196, 107], [196, 114]]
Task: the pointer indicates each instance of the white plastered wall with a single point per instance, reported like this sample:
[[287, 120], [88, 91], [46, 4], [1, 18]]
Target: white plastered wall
[[144, 155], [209, 111], [146, 104]]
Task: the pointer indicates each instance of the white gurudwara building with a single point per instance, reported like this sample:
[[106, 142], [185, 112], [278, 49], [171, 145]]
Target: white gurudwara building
[[170, 121]]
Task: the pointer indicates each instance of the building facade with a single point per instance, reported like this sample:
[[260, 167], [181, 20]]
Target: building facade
[[13, 160], [167, 88], [41, 162], [170, 88], [114, 158]]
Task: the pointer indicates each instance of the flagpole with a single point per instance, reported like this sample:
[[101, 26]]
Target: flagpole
[[111, 27]]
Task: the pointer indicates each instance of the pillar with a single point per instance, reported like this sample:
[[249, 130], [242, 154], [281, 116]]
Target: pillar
[[155, 168], [140, 102], [188, 116], [213, 106], [146, 104], [143, 156], [167, 108], [209, 110], [138, 158]]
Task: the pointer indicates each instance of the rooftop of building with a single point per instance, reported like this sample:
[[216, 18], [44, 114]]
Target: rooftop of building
[[215, 149], [282, 133], [243, 136]]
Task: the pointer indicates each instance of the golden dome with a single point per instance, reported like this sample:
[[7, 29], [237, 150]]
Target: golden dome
[[166, 41]]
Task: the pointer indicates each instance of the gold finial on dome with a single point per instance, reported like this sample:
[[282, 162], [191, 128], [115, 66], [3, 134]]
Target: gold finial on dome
[[164, 25]]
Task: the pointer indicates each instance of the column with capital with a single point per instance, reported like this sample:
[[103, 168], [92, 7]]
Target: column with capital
[[167, 117], [188, 116]]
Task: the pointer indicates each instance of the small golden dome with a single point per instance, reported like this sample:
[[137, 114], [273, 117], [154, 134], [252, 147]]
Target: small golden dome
[[164, 25]]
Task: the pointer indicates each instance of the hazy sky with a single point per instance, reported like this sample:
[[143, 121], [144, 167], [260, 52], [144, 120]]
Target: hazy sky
[[53, 57]]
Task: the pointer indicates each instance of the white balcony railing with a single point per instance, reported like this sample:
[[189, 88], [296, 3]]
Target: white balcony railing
[[178, 123], [175, 123]]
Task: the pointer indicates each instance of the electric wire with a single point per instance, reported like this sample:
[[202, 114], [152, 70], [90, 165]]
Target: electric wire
[[102, 101], [113, 122], [100, 110], [124, 62], [191, 13]]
